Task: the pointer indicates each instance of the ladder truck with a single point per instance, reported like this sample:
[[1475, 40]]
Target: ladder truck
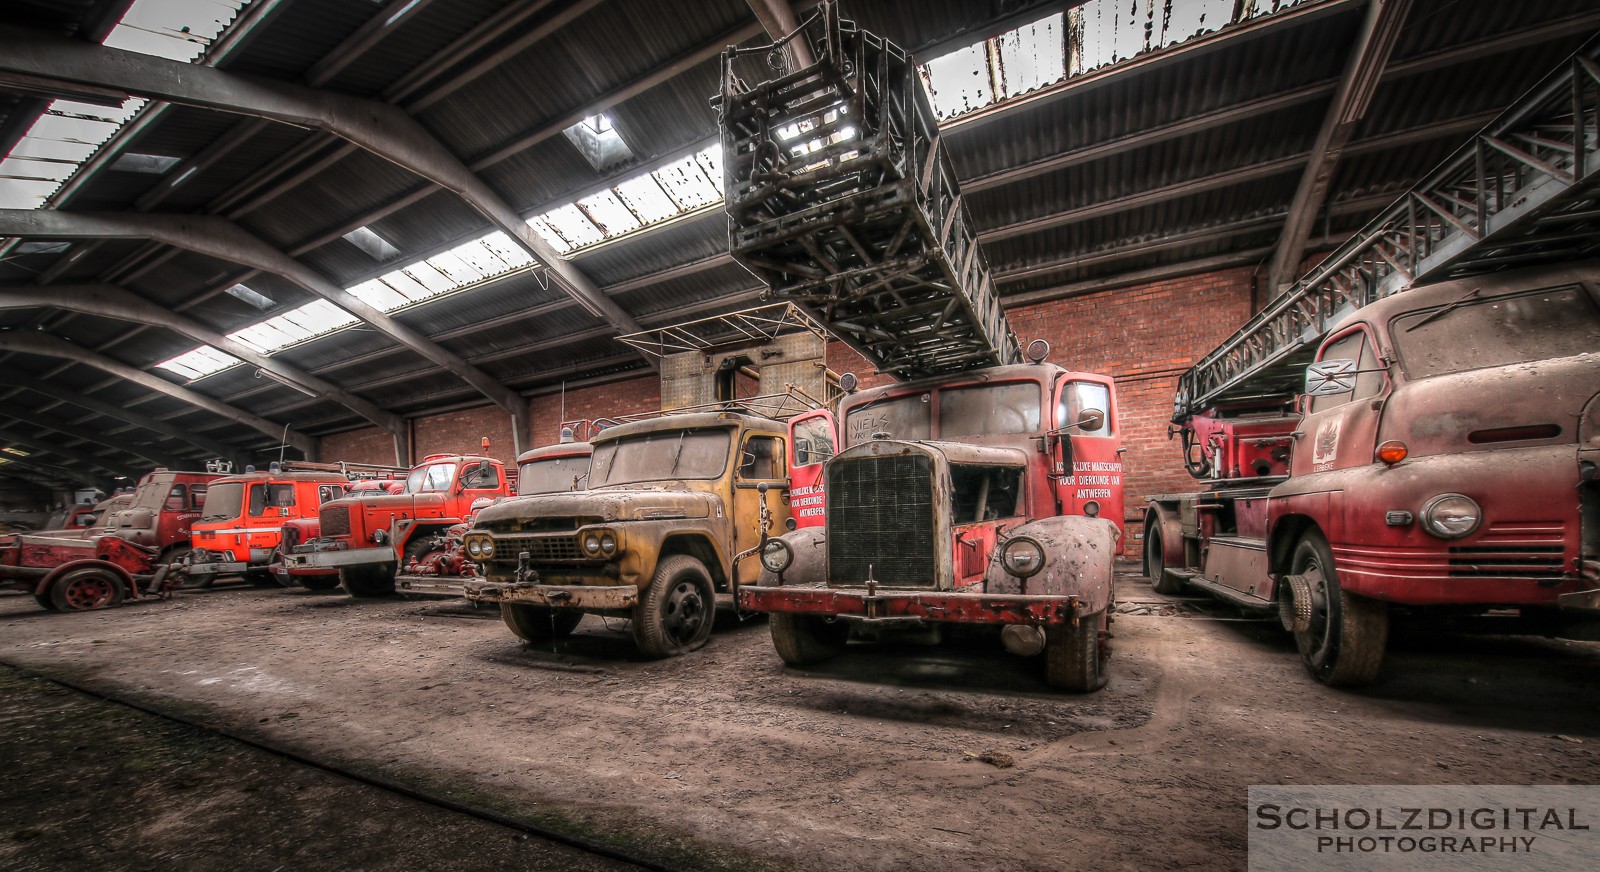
[[1414, 425], [984, 487]]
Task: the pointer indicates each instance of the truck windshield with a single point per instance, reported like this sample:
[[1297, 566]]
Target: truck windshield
[[1496, 331], [224, 501], [675, 454], [551, 475], [432, 478], [981, 410], [905, 417]]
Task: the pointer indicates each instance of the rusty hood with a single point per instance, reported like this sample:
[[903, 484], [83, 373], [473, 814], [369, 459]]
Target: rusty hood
[[632, 503], [1519, 404]]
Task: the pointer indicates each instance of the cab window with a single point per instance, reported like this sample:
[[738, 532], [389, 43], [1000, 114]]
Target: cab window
[[478, 478], [270, 496], [760, 458], [1078, 397], [197, 497], [813, 441], [984, 493], [328, 492], [177, 499], [1352, 346]]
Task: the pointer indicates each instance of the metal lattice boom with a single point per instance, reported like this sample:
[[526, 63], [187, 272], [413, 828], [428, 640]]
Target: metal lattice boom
[[1524, 190], [841, 198]]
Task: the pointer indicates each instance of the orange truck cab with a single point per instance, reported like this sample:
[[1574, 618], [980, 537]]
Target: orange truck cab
[[242, 523]]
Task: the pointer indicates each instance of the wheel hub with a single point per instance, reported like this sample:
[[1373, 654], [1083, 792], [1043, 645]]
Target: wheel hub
[[685, 611]]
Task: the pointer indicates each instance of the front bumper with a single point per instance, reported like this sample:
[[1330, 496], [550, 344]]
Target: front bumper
[[900, 606], [569, 596], [430, 585], [334, 559]]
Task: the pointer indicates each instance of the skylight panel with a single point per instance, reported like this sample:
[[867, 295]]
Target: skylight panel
[[687, 183], [483, 259], [608, 213], [252, 296], [710, 161], [380, 296], [549, 234], [597, 139], [375, 246], [1197, 17], [959, 81], [199, 363], [324, 316], [14, 450], [572, 225], [402, 285], [514, 255], [436, 282], [153, 164], [262, 337], [179, 30], [455, 269], [1034, 55], [643, 195]]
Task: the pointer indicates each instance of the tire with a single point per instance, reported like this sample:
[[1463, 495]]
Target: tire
[[43, 599], [677, 610], [421, 545], [538, 624], [1075, 657], [319, 582], [1156, 559], [1344, 647], [368, 581], [803, 640], [176, 554], [86, 589]]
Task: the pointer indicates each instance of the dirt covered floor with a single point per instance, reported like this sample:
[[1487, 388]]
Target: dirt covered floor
[[890, 758]]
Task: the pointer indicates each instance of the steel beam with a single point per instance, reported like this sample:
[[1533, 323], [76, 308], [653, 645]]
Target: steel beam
[[50, 475], [207, 447], [778, 20], [109, 301], [1374, 44], [380, 128], [222, 239], [72, 430], [45, 345], [84, 458]]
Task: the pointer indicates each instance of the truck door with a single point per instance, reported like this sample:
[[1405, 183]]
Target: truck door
[[268, 507], [813, 438], [1093, 486], [761, 461], [1341, 430]]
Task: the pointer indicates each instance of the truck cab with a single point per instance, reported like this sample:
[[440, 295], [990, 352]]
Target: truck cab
[[165, 504], [241, 526], [991, 497], [670, 527], [365, 539]]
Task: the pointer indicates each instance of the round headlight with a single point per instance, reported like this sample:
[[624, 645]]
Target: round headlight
[[591, 544], [1022, 557], [776, 556], [486, 548], [474, 547], [608, 544], [1451, 516]]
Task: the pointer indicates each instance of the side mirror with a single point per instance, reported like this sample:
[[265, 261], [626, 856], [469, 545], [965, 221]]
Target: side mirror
[[1327, 378], [1092, 420]]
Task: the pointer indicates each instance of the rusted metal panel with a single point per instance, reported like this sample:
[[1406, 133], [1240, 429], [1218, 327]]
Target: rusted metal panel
[[891, 605], [574, 596]]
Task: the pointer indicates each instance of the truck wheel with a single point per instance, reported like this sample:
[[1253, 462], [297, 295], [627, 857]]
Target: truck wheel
[[803, 640], [677, 610], [1344, 646], [1156, 559], [86, 589], [1075, 657], [318, 582], [43, 599], [176, 554], [368, 581], [537, 624]]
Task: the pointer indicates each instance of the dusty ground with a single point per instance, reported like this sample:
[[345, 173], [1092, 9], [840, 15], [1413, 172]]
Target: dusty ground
[[725, 759]]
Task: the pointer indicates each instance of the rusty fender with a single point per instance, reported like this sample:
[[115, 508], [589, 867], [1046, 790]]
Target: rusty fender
[[1078, 555], [903, 605], [128, 584], [810, 566]]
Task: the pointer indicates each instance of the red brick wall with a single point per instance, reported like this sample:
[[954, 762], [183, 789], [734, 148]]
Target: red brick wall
[[642, 394], [462, 432], [370, 445]]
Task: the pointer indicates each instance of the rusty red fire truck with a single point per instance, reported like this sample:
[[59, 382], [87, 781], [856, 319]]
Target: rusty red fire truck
[[984, 490], [1441, 457], [79, 574]]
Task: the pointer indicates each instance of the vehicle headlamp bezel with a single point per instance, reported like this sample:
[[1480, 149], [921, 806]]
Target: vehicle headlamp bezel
[[1432, 522], [1013, 562], [776, 556]]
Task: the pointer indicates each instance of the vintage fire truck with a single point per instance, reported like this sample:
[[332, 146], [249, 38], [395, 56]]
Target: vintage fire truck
[[1441, 457], [69, 574], [678, 502], [363, 540], [241, 528], [984, 490], [165, 503]]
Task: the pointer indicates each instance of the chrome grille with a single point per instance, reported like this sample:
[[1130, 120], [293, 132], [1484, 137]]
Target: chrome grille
[[1507, 561], [539, 548], [880, 521], [335, 520]]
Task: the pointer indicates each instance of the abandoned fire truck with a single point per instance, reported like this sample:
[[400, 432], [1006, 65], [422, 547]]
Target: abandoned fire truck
[[165, 504], [1443, 457], [241, 527], [79, 574], [679, 501], [442, 569], [961, 496], [364, 540]]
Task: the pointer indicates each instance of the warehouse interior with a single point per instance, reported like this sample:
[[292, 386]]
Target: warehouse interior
[[379, 231]]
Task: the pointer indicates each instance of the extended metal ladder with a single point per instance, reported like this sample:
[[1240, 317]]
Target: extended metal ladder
[[841, 198], [1525, 189]]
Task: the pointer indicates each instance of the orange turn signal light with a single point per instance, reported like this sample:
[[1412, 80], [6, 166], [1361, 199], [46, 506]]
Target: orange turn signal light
[[1392, 452]]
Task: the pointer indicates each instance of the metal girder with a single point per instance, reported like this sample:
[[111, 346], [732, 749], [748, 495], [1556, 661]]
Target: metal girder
[[1374, 44], [209, 447], [380, 128], [49, 474], [51, 346], [82, 458], [110, 301], [74, 431], [777, 19], [222, 239]]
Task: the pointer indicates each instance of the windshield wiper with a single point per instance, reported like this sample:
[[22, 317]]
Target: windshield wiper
[[1438, 313], [677, 454]]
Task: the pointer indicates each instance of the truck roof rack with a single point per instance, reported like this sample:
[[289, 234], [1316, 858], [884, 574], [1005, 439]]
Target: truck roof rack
[[1522, 191]]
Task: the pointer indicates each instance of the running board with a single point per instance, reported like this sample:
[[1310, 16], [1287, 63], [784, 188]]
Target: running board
[[1238, 598]]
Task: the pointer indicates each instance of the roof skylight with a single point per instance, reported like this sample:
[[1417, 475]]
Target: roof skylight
[[252, 296], [649, 198], [375, 246], [597, 139]]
